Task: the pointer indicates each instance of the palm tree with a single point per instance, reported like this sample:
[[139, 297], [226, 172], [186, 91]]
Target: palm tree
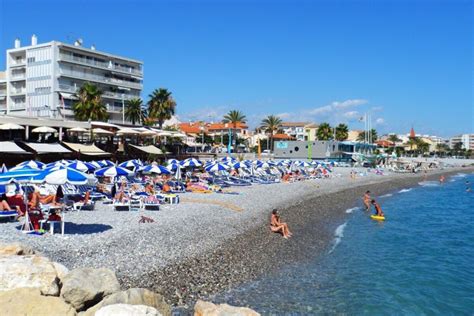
[[373, 134], [134, 111], [393, 138], [342, 132], [234, 117], [89, 105], [324, 132], [161, 105], [271, 124]]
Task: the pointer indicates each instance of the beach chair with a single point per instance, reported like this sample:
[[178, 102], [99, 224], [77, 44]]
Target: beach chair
[[121, 206], [151, 203], [86, 205], [10, 215]]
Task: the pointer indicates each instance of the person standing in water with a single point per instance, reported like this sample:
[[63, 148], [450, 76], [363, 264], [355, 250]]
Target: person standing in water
[[442, 178], [378, 209], [367, 200]]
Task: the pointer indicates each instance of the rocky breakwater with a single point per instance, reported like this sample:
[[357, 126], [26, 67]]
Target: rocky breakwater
[[31, 284]]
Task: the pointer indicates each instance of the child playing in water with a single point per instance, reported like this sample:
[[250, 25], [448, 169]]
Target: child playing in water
[[378, 209]]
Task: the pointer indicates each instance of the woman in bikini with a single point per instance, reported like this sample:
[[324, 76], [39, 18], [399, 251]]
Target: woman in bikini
[[277, 226]]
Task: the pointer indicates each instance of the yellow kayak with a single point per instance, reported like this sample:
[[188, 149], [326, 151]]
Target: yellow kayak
[[377, 218]]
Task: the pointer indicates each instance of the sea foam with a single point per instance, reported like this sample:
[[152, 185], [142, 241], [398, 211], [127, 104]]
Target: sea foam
[[386, 195], [429, 183], [338, 234], [350, 210], [404, 190]]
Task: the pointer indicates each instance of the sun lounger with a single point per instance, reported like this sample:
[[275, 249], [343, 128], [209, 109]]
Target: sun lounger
[[122, 206], [8, 214], [151, 203]]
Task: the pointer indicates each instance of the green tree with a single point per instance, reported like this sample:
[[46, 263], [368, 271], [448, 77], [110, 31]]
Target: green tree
[[161, 105], [134, 111], [271, 124], [373, 134], [234, 117], [324, 132], [89, 105], [342, 132], [393, 138], [422, 146]]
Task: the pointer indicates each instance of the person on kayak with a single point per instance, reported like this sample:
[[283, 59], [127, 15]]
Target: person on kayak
[[367, 200], [378, 209]]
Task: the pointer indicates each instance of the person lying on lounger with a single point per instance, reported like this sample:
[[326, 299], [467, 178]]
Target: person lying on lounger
[[4, 206], [277, 226]]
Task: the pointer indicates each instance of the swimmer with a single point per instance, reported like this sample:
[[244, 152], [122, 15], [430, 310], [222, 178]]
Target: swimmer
[[468, 187], [378, 209], [442, 179]]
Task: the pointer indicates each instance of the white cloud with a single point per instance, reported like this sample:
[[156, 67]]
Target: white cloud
[[348, 103], [377, 108], [379, 121], [321, 110], [284, 115], [351, 115]]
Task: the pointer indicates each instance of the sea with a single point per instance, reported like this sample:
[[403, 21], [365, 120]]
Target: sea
[[419, 261]]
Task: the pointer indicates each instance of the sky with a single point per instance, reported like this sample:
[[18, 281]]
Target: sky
[[407, 63]]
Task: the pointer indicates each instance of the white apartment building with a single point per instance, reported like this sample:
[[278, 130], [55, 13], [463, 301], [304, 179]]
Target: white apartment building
[[41, 79], [3, 93], [467, 141], [294, 129]]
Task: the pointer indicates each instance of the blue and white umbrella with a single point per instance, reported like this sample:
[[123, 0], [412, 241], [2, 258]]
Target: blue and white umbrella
[[216, 167], [60, 163], [131, 164], [155, 169], [240, 164], [113, 172], [81, 166], [228, 159], [302, 164], [261, 164], [33, 164], [61, 175], [3, 169], [174, 166], [191, 162], [96, 164], [170, 161], [106, 163], [19, 175]]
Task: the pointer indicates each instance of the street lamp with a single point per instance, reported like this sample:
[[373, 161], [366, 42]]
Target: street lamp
[[123, 102]]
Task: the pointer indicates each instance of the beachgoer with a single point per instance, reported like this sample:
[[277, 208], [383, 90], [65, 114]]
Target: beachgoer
[[367, 200], [468, 187], [441, 179], [378, 209], [277, 226]]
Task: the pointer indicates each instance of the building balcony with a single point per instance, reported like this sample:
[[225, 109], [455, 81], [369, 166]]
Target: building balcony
[[3, 92], [18, 63], [114, 109], [15, 92], [18, 106], [98, 64], [18, 77], [100, 79]]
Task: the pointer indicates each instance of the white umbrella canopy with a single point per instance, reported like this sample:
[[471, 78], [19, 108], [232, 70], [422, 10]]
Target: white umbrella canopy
[[127, 131], [10, 126], [44, 130], [164, 133], [101, 131], [78, 130], [179, 135], [148, 133]]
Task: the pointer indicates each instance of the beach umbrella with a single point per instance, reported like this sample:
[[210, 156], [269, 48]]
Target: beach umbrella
[[130, 164], [3, 169], [239, 165], [21, 174], [81, 166], [228, 159], [217, 167], [106, 163], [191, 162], [127, 131], [174, 166], [10, 127], [56, 164], [44, 130], [261, 164], [101, 131], [172, 161], [61, 175], [300, 163], [78, 130], [30, 164], [113, 172], [96, 164], [156, 169]]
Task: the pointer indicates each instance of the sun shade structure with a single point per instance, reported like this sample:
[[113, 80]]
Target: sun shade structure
[[44, 130], [11, 148], [81, 166], [156, 169], [61, 175], [89, 150], [127, 131], [101, 131], [19, 175], [33, 164], [191, 162], [78, 130], [216, 167], [148, 133], [149, 149], [10, 127], [113, 172], [43, 148]]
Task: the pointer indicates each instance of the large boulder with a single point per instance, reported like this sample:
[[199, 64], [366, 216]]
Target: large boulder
[[30, 302], [209, 309], [86, 287], [127, 310], [30, 271], [133, 296], [15, 249]]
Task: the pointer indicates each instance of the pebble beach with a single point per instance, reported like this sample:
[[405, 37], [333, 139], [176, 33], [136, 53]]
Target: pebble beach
[[209, 243]]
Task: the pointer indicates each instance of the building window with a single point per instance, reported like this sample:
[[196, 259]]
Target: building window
[[31, 60]]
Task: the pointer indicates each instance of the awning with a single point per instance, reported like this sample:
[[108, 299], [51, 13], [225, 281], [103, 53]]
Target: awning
[[90, 150], [69, 96], [149, 149], [41, 148], [11, 148]]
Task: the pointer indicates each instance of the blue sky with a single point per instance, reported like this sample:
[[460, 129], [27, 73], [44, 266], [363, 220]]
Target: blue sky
[[407, 62]]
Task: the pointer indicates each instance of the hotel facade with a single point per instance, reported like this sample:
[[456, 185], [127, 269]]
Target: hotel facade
[[41, 79]]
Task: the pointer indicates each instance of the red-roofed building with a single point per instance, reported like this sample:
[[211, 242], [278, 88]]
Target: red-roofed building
[[192, 128], [283, 137], [241, 129], [412, 133]]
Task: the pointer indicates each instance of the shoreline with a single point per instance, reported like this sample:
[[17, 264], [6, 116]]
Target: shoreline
[[257, 252], [213, 242]]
